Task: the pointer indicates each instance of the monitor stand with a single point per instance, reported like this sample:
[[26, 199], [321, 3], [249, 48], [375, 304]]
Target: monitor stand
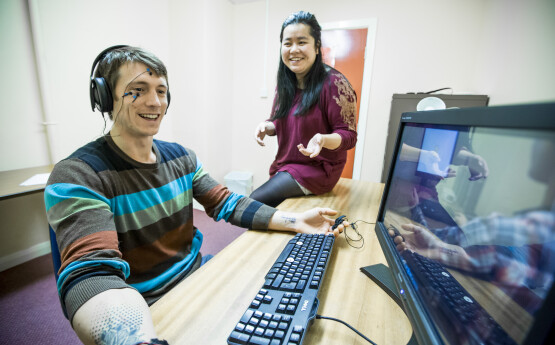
[[381, 275]]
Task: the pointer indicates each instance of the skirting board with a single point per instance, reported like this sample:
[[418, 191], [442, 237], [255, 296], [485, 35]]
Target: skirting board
[[25, 255]]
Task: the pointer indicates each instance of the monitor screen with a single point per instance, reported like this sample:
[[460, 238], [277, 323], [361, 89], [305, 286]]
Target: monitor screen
[[467, 223]]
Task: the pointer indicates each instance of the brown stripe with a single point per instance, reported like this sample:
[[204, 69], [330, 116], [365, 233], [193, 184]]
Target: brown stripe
[[142, 259], [102, 240], [213, 197]]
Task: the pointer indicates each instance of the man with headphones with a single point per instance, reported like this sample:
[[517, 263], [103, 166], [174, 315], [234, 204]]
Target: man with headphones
[[121, 207]]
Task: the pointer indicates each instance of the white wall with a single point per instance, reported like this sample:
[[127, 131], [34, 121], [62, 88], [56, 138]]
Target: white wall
[[68, 36], [22, 136], [201, 79], [517, 58]]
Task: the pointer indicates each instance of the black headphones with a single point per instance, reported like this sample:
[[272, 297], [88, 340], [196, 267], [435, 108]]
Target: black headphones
[[100, 94]]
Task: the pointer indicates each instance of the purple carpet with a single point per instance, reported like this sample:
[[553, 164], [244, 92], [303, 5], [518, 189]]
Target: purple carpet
[[30, 311]]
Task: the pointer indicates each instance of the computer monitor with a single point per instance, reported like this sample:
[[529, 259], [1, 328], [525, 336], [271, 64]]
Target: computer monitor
[[467, 223]]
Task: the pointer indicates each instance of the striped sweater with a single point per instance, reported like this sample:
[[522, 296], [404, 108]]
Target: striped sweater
[[120, 223]]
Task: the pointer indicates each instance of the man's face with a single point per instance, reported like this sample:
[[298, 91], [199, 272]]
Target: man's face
[[140, 101]]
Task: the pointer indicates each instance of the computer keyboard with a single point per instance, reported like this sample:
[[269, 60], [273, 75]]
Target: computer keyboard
[[283, 308], [462, 311]]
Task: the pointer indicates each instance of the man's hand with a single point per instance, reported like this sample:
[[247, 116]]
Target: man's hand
[[313, 221], [263, 129]]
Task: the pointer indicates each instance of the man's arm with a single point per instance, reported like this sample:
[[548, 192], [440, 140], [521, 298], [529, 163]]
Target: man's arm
[[309, 222], [116, 316]]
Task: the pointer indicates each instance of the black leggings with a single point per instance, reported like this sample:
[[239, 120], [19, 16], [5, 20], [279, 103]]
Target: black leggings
[[280, 187]]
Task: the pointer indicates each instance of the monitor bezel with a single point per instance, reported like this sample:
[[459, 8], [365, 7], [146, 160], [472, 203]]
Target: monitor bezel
[[540, 116]]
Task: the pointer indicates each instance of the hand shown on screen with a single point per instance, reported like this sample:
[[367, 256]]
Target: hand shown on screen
[[418, 239], [430, 160], [477, 165]]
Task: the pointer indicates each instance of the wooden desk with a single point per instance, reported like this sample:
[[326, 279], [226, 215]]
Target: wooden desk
[[10, 180], [205, 307]]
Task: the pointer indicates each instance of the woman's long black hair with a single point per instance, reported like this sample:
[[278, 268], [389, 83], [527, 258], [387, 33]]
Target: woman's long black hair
[[286, 79]]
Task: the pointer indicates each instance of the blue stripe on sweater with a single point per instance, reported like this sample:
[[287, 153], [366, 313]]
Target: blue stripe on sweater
[[229, 207], [248, 214], [58, 192], [119, 265], [176, 269], [122, 204], [131, 203]]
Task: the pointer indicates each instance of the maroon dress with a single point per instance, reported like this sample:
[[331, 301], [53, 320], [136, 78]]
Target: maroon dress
[[335, 113]]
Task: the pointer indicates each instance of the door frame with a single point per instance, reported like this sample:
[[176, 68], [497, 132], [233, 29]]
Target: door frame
[[371, 25]]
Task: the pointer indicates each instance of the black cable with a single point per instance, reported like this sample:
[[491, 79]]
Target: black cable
[[360, 237], [346, 324], [443, 88]]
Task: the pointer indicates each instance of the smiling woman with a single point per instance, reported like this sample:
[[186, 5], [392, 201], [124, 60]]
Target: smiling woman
[[314, 117]]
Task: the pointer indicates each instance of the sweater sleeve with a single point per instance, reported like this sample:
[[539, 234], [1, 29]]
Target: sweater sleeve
[[79, 213], [340, 105], [220, 203]]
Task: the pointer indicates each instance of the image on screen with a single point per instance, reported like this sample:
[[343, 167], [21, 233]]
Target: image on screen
[[486, 221], [437, 151]]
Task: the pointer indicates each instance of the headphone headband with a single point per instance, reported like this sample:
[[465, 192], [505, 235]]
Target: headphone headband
[[103, 53]]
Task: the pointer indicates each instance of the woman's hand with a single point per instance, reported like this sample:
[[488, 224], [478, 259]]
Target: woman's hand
[[313, 147], [329, 141], [263, 129]]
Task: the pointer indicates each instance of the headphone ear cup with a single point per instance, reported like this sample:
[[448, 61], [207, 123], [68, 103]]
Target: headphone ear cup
[[169, 99], [101, 96]]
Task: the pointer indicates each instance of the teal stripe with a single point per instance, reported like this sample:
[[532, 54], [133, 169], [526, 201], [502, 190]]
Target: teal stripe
[[229, 206], [58, 192], [131, 203], [119, 265], [123, 204], [175, 270], [199, 172]]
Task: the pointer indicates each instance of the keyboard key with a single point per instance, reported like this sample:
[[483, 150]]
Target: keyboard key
[[240, 327], [290, 309], [259, 341], [239, 338], [277, 281], [298, 329]]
